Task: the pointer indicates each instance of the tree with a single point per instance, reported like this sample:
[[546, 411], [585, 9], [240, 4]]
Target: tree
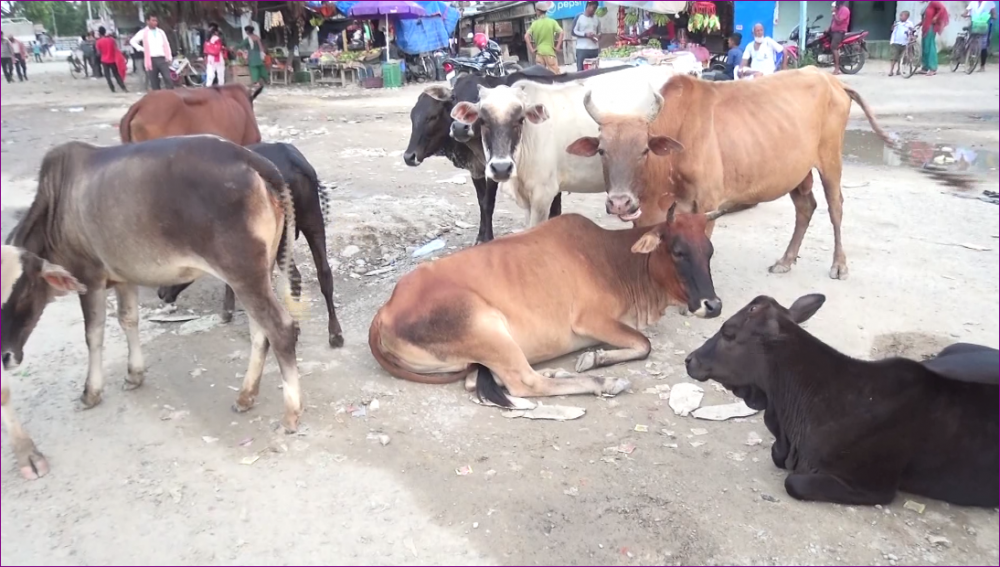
[[59, 18], [175, 13]]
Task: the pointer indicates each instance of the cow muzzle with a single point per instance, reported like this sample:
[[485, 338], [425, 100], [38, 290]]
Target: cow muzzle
[[500, 169], [624, 206], [10, 362], [694, 368], [709, 308], [462, 133], [411, 159]]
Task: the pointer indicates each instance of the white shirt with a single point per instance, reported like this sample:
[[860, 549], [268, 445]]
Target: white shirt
[[978, 8], [584, 26], [899, 32], [763, 59], [155, 46]]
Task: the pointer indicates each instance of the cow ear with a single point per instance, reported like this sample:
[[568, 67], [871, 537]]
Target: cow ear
[[648, 243], [60, 280], [664, 145], [466, 113], [671, 212], [438, 92], [584, 147], [537, 114], [805, 307]]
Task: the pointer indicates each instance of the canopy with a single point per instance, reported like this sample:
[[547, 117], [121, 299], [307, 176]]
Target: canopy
[[424, 27], [395, 8], [668, 8]]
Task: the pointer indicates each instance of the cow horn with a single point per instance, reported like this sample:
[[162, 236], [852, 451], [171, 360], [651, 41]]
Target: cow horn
[[592, 110], [654, 110], [714, 215]]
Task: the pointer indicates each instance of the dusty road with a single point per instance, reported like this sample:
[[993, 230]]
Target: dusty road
[[168, 474]]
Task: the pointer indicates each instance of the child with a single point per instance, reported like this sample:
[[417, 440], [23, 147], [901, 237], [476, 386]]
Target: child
[[734, 56], [901, 31]]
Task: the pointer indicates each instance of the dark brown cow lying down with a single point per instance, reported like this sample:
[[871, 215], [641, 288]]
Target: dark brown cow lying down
[[311, 211], [854, 432], [157, 213], [225, 111], [563, 286]]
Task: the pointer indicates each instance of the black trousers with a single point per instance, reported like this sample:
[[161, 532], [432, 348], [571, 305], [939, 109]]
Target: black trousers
[[95, 64], [111, 69], [582, 54], [8, 69], [22, 68], [160, 70]]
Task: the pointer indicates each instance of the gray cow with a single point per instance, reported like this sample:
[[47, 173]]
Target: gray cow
[[163, 212]]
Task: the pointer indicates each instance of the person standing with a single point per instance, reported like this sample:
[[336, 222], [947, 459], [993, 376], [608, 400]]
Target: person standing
[[215, 61], [935, 19], [107, 50], [37, 51], [7, 58], [982, 15], [20, 59], [587, 31], [91, 62], [734, 57], [839, 25], [255, 56], [155, 48], [899, 39], [545, 38]]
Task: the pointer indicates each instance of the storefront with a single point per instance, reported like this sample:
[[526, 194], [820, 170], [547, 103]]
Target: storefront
[[506, 25]]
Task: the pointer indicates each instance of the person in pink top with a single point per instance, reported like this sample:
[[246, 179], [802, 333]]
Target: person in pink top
[[839, 25], [215, 62]]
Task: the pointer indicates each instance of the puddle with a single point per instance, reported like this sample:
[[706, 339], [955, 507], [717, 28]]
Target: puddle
[[953, 165]]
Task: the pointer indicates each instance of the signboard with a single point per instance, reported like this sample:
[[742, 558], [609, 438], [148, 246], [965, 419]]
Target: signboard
[[567, 10]]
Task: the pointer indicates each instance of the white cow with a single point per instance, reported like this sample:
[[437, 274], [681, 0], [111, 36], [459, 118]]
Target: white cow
[[527, 127]]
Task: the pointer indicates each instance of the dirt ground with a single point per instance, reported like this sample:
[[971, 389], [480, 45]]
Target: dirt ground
[[168, 474]]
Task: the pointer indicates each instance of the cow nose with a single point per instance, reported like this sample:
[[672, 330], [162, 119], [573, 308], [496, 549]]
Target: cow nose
[[620, 205], [687, 361], [410, 158], [6, 360], [712, 307], [501, 169]]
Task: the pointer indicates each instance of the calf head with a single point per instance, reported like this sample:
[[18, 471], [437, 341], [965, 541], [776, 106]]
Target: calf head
[[680, 257], [740, 355], [429, 123], [29, 284], [624, 145], [501, 115]]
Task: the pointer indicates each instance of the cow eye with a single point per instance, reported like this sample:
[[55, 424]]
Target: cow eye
[[520, 121], [601, 152], [645, 152]]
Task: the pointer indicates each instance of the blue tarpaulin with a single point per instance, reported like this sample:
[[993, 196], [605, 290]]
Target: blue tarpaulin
[[421, 35]]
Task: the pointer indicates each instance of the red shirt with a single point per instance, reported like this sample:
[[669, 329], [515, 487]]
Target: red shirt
[[107, 47], [936, 15], [841, 20]]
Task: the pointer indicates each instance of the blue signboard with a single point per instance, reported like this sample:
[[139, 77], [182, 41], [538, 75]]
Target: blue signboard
[[567, 10]]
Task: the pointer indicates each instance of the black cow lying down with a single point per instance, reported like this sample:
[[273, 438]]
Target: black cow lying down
[[856, 432], [311, 208], [163, 212]]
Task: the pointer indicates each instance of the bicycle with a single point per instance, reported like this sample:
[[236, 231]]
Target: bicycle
[[911, 55], [965, 52], [76, 68]]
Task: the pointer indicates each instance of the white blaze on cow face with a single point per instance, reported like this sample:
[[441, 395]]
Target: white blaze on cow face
[[501, 113]]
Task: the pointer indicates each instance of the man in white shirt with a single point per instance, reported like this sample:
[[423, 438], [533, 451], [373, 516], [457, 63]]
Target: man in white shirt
[[760, 58], [152, 42], [587, 31], [982, 15]]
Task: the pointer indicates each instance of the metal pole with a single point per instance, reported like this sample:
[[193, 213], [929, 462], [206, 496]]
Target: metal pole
[[90, 12], [803, 28], [142, 13]]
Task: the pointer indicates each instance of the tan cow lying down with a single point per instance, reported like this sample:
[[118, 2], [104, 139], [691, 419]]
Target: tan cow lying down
[[225, 111], [563, 286], [740, 143]]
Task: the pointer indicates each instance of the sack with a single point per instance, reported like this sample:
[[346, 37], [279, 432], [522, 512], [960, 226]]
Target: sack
[[980, 27]]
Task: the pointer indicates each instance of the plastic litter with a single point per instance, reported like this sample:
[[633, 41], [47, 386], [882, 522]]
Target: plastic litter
[[429, 248], [685, 398], [724, 412]]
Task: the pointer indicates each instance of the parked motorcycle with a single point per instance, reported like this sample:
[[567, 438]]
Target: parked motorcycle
[[488, 63], [853, 50]]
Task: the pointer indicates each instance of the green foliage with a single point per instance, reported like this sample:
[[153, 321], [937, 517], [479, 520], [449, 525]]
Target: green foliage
[[64, 18], [193, 13]]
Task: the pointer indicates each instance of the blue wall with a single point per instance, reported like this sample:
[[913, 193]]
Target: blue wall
[[748, 14], [567, 10]]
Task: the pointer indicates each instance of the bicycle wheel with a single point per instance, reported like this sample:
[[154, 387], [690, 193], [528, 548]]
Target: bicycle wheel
[[971, 58], [75, 71], [958, 54], [911, 61]]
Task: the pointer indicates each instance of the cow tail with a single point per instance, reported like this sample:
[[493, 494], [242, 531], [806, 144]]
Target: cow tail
[[856, 97], [292, 292], [125, 126]]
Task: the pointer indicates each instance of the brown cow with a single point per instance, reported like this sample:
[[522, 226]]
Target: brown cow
[[743, 143], [563, 286], [225, 111]]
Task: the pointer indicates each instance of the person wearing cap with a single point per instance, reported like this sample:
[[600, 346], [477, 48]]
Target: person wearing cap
[[545, 38]]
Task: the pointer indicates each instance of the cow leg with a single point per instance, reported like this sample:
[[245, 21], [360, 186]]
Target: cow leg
[[128, 318], [95, 315], [828, 488], [805, 206], [502, 355], [317, 244], [539, 207], [556, 209], [632, 344], [830, 173], [486, 192], [31, 463], [228, 305], [266, 315]]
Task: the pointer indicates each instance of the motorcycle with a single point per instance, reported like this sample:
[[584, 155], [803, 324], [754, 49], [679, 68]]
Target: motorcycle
[[853, 50], [488, 63]]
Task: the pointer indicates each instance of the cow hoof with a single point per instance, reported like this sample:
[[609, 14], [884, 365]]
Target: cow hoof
[[336, 341], [30, 461], [244, 404], [613, 387], [90, 400], [838, 272], [134, 381], [780, 268], [587, 361], [227, 317], [291, 424]]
